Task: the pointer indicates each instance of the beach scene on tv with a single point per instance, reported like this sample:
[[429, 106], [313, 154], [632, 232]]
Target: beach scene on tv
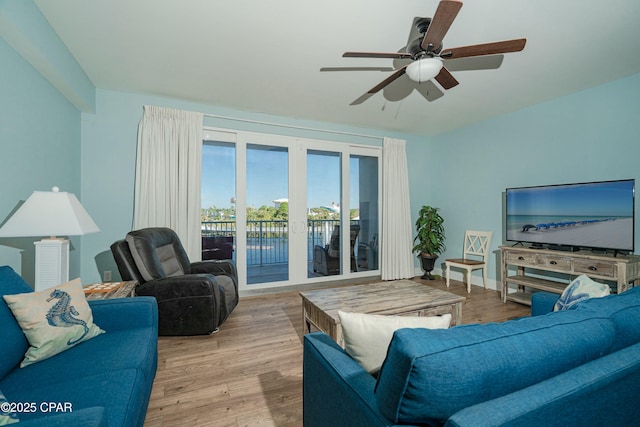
[[594, 215]]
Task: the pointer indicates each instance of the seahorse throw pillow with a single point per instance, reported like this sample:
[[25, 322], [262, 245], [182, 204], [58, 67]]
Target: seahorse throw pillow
[[53, 320]]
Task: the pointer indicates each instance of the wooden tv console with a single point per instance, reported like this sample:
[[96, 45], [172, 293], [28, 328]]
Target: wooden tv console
[[623, 270]]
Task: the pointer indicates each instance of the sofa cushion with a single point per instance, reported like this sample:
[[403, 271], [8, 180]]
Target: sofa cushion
[[103, 353], [580, 289], [123, 393], [13, 343], [598, 393], [8, 414], [53, 320], [367, 336], [429, 375], [624, 311]]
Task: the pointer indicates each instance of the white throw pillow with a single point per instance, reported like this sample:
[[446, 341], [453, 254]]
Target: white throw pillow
[[367, 336]]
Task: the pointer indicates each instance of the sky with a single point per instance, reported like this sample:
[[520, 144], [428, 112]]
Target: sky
[[267, 177], [602, 198]]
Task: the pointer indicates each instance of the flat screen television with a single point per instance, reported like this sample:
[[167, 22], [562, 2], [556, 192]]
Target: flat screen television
[[595, 215]]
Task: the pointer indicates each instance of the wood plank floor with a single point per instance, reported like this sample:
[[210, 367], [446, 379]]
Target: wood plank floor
[[250, 372]]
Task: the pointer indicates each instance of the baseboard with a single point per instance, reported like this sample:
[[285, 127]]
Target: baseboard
[[309, 286]]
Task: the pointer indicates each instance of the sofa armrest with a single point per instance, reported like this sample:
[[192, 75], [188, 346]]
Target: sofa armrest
[[543, 302], [123, 313], [337, 391], [87, 417]]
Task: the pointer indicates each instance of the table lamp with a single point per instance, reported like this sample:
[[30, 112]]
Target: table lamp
[[50, 213]]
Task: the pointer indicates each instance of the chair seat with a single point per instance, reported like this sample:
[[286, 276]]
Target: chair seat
[[464, 261]]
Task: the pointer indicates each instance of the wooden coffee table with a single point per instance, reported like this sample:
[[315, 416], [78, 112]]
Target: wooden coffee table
[[399, 297]]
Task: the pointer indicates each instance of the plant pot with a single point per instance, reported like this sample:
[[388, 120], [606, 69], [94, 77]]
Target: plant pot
[[428, 262]]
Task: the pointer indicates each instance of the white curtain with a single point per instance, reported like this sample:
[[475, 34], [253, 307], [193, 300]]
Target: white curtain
[[396, 257], [168, 174]]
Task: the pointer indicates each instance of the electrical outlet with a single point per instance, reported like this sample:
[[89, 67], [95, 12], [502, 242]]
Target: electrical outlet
[[106, 275]]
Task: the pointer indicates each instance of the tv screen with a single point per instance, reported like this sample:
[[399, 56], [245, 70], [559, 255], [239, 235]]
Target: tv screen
[[586, 215]]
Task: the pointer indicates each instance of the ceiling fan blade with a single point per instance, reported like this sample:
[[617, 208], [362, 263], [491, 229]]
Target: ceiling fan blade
[[445, 14], [388, 80], [376, 55], [506, 46], [362, 98], [489, 62], [446, 79], [323, 69]]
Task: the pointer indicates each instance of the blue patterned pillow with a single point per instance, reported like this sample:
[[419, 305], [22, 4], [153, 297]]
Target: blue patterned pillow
[[53, 320], [6, 416], [581, 289]]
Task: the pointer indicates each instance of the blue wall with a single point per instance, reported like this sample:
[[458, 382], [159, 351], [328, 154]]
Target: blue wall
[[587, 136], [39, 148]]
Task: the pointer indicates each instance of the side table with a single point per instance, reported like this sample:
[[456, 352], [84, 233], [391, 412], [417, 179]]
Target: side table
[[109, 290]]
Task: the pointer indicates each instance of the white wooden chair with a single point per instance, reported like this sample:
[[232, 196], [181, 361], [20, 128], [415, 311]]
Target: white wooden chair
[[476, 251]]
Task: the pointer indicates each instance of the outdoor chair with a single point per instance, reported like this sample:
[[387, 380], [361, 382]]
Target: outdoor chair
[[217, 247], [326, 260]]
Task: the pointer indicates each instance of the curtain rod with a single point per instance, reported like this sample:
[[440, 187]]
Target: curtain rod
[[293, 127]]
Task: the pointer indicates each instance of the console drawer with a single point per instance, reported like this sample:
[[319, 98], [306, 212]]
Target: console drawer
[[591, 266], [554, 262], [521, 258]]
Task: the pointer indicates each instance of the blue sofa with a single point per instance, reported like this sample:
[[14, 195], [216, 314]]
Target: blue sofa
[[105, 381], [570, 368]]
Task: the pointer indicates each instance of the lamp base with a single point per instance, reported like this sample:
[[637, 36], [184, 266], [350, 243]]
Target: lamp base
[[52, 263]]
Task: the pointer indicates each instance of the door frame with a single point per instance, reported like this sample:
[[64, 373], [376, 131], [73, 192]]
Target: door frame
[[298, 226]]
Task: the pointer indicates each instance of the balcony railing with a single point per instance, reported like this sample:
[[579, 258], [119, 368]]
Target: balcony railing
[[267, 241]]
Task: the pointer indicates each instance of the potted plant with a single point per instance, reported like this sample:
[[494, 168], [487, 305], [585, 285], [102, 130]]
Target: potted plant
[[430, 238]]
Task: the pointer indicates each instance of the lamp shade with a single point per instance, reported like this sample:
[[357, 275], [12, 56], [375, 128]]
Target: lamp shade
[[49, 213], [424, 69]]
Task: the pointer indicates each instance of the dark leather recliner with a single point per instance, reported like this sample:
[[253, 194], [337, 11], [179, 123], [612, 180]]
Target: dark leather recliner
[[193, 298]]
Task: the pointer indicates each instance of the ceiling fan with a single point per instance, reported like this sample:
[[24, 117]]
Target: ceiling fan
[[426, 52]]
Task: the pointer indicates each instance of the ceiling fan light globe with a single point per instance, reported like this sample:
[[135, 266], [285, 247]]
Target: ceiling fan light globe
[[424, 69]]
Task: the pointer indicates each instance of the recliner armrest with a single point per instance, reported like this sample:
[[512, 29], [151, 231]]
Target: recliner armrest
[[215, 267], [187, 286]]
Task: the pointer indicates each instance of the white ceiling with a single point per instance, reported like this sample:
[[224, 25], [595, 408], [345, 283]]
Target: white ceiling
[[266, 56]]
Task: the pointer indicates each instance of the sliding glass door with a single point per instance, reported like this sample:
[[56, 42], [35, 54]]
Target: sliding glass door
[[323, 195], [218, 197], [267, 211], [365, 202], [297, 210]]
